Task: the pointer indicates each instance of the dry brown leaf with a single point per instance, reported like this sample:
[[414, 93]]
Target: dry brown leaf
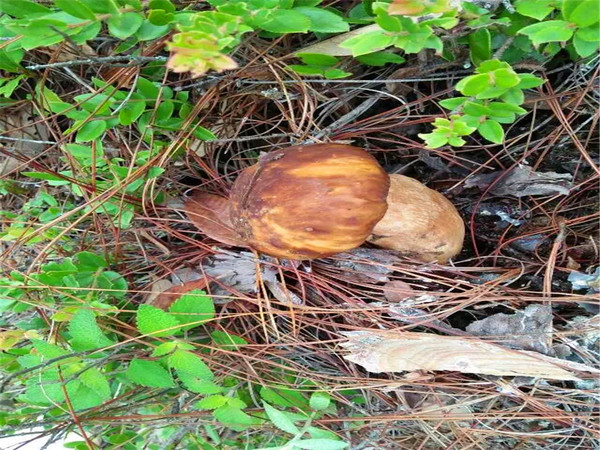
[[166, 298], [381, 351], [332, 46], [17, 124]]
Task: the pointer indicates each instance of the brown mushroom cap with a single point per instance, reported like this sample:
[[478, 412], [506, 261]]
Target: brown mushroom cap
[[419, 222], [309, 201]]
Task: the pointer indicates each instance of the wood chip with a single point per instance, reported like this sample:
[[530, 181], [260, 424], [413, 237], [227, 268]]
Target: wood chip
[[382, 351]]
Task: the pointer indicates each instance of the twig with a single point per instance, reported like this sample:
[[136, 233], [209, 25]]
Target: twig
[[99, 60]]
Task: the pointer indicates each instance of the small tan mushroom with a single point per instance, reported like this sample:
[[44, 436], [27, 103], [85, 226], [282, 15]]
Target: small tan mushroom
[[419, 222]]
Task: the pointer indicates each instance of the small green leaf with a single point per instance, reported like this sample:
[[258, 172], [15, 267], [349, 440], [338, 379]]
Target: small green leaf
[[193, 309], [492, 131], [148, 31], [162, 4], [149, 373], [514, 96], [527, 81], [97, 382], [505, 78], [185, 362], [368, 42], [320, 444], [538, 9], [124, 25], [155, 322], [85, 332], [212, 402], [317, 59], [76, 8], [91, 130], [548, 31], [226, 340], [89, 261], [234, 418], [287, 21], [434, 140], [131, 112], [589, 34], [334, 74], [476, 109], [586, 13], [319, 401], [203, 134], [159, 17], [322, 20], [280, 419], [473, 84], [453, 103], [42, 176], [480, 46], [584, 48], [492, 65], [22, 9], [379, 59]]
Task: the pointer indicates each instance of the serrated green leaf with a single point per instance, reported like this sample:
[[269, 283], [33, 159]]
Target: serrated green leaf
[[193, 309], [322, 20], [91, 130], [124, 25], [234, 418], [85, 332], [548, 31], [189, 363], [492, 131], [149, 373], [212, 402], [379, 59], [280, 419], [286, 21], [76, 8], [156, 322], [319, 401], [47, 350], [199, 385], [226, 340], [97, 382]]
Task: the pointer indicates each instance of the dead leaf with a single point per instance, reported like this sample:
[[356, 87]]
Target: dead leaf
[[167, 297], [332, 46], [529, 329], [395, 291], [366, 264], [523, 181], [382, 351], [17, 124]]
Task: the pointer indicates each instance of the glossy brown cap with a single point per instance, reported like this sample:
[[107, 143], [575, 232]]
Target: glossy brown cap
[[309, 201], [419, 222]]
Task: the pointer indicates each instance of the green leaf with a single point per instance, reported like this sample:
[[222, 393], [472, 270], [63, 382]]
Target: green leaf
[[89, 261], [193, 309], [514, 96], [434, 140], [198, 385], [226, 340], [285, 397], [495, 107], [104, 6], [91, 130], [492, 65], [149, 373], [131, 112], [505, 78], [203, 134], [286, 21], [97, 382], [317, 59], [76, 8], [280, 419], [22, 9], [586, 13], [528, 80], [589, 34], [334, 74], [320, 444], [379, 59], [492, 131], [453, 103], [480, 46], [584, 48], [155, 322], [234, 418], [212, 402], [124, 25], [162, 4], [85, 332], [476, 109], [491, 92], [42, 176], [473, 84], [47, 350], [159, 17], [322, 20], [189, 363], [319, 401], [368, 42], [548, 31], [538, 9]]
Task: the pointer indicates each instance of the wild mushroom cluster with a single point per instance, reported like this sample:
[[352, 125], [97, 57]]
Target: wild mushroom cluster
[[312, 201]]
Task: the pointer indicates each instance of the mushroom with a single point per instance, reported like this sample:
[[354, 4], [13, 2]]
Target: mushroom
[[419, 222], [301, 202], [312, 201]]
